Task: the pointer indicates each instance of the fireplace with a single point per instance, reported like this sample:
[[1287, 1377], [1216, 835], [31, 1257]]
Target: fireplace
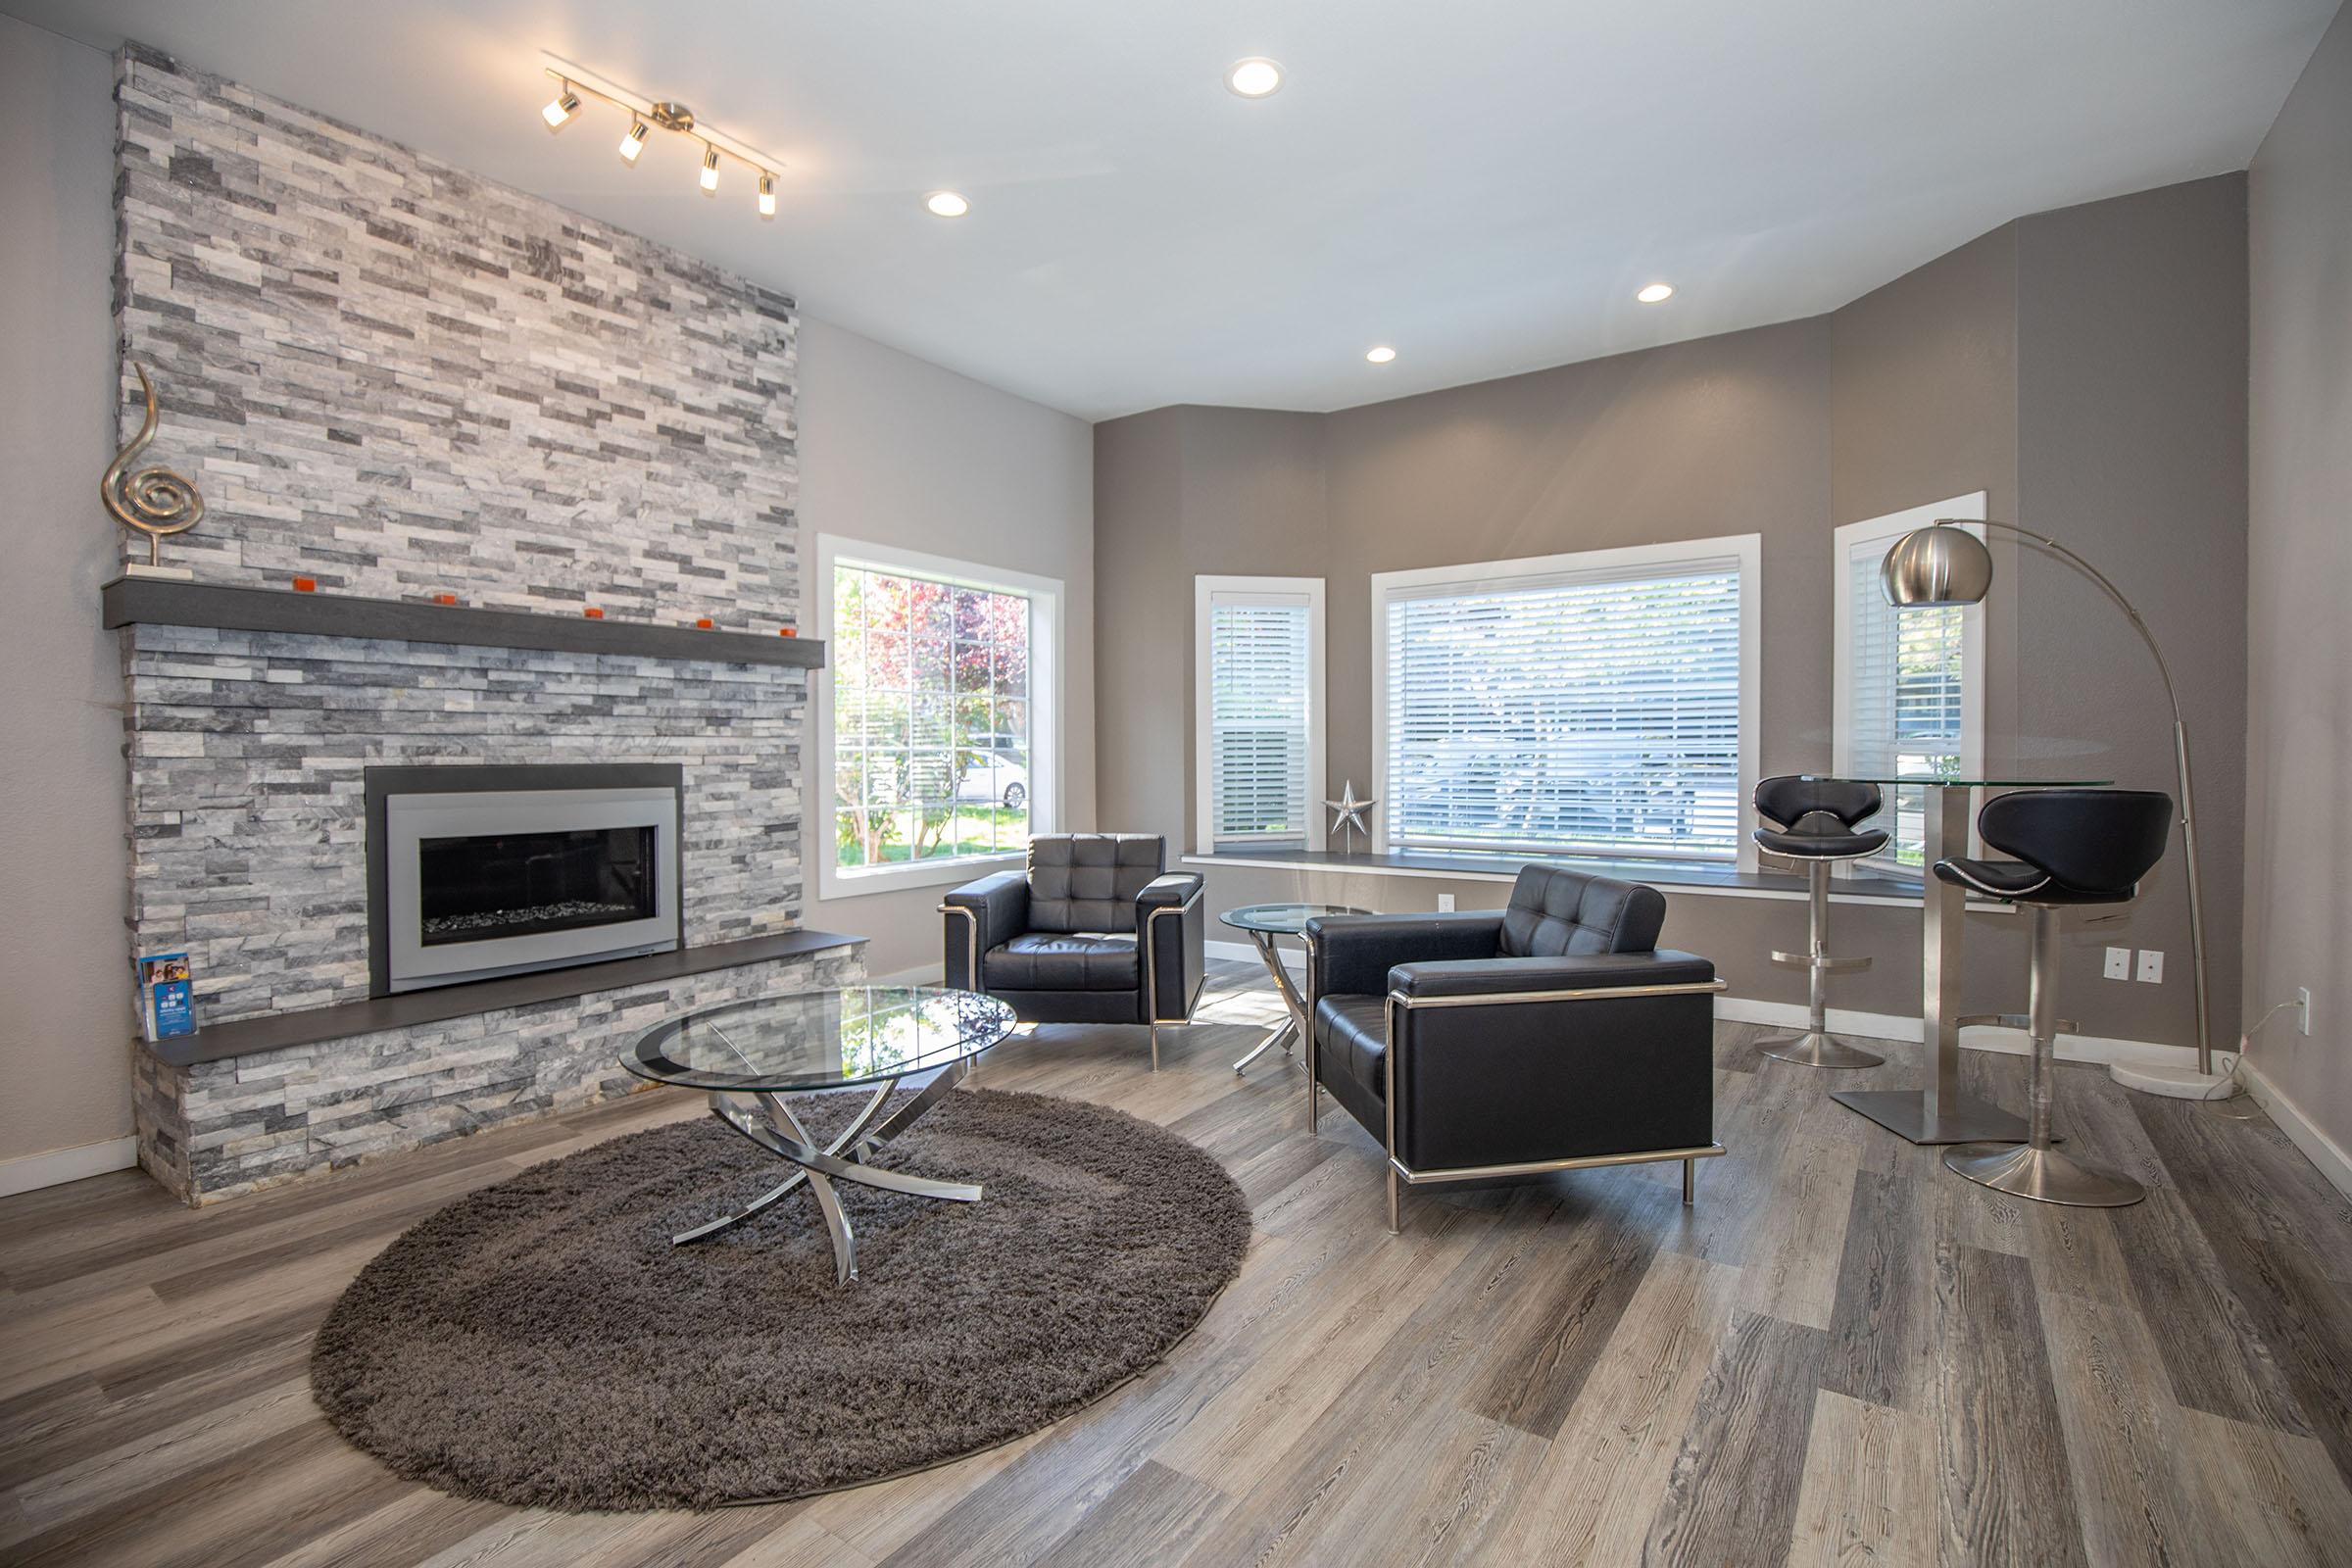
[[479, 872]]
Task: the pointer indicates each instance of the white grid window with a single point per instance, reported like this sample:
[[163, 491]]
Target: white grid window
[[1909, 691], [1258, 706], [1594, 704], [938, 714]]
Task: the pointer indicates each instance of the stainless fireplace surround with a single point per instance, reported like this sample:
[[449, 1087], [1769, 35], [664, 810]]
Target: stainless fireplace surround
[[421, 816]]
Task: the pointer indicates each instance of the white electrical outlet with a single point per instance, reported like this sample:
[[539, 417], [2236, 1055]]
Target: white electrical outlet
[[2152, 966], [2303, 1008], [1445, 904], [2119, 964]]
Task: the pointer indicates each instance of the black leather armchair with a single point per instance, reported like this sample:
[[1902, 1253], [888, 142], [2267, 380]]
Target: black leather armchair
[[1547, 1036], [1095, 931]]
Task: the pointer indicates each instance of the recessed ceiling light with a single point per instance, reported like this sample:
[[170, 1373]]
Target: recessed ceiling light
[[1381, 355], [1656, 294], [1253, 77], [947, 204]]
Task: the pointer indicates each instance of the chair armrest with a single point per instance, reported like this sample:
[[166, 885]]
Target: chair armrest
[[1161, 891], [1352, 954], [1603, 971], [1172, 927], [980, 915]]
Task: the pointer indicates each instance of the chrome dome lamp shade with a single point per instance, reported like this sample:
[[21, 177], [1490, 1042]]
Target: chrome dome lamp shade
[[1946, 563], [1942, 564]]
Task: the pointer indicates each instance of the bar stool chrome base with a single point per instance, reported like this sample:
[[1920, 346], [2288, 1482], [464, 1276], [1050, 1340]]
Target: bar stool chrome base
[[2043, 1175], [1817, 1048]]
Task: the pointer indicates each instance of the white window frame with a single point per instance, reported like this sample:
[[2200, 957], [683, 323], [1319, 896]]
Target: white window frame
[[1743, 551], [1886, 529], [1045, 661], [1207, 590]]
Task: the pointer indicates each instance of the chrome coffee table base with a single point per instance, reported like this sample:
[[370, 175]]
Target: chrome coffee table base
[[781, 1133], [1817, 1048], [2043, 1175]]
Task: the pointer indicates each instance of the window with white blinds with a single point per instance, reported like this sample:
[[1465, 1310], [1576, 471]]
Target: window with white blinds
[[1598, 703], [1258, 701], [1909, 702]]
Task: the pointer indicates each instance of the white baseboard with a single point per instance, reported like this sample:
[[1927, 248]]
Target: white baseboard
[[1246, 953], [29, 1172], [2100, 1049], [2321, 1151]]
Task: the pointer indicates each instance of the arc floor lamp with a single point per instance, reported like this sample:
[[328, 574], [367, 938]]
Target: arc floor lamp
[[1944, 563]]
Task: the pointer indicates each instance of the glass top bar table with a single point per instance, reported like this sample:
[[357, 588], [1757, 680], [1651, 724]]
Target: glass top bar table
[[811, 1042], [1939, 1111], [1264, 922]]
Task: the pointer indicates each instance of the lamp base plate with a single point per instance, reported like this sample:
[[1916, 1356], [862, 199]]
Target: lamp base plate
[[2175, 1083]]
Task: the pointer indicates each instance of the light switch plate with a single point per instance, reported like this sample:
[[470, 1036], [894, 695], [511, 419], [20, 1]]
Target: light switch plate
[[2119, 964], [1445, 904], [2152, 966]]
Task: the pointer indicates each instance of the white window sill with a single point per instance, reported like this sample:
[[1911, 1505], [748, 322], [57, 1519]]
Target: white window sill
[[1701, 878], [840, 884]]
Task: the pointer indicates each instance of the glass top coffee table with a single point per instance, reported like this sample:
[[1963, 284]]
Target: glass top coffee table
[[811, 1042], [1264, 922]]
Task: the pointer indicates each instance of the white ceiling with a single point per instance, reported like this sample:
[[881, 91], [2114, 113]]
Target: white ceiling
[[1482, 183]]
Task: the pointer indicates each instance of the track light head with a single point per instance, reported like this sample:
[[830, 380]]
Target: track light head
[[634, 142], [561, 108], [768, 195], [709, 169]]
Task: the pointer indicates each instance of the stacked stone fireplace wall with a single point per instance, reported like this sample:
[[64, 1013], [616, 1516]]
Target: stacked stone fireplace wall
[[400, 381]]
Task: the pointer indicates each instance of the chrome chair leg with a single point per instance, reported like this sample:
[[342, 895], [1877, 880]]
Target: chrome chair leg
[[1396, 1202], [1817, 1047], [1689, 1181], [2035, 1169]]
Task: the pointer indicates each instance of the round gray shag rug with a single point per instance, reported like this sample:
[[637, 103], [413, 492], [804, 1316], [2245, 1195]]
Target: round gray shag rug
[[541, 1343]]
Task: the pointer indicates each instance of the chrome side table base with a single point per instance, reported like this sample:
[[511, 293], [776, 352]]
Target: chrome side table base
[[1292, 1029], [1957, 1118], [2043, 1175], [782, 1134], [1817, 1048]]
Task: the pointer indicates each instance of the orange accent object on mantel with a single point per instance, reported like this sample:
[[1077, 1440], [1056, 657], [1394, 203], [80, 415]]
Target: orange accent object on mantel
[[704, 623], [306, 585], [593, 613], [786, 631], [445, 599]]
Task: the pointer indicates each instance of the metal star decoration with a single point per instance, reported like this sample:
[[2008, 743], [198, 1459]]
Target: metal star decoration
[[1347, 813]]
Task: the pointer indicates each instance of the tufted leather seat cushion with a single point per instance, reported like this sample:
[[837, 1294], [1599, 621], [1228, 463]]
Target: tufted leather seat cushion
[[1062, 960], [1081, 882], [1351, 1036], [1555, 912]]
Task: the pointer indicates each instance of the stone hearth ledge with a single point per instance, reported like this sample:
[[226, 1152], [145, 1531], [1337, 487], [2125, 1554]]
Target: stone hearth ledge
[[217, 1123]]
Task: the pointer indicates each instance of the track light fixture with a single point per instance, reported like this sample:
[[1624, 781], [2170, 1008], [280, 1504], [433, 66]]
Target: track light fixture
[[645, 115]]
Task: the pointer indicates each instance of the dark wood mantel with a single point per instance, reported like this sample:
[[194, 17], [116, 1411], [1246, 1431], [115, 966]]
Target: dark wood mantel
[[164, 601]]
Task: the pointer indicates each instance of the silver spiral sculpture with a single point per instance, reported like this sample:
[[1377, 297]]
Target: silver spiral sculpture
[[154, 500]]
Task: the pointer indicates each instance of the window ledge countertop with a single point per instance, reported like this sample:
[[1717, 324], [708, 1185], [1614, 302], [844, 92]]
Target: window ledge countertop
[[1674, 876]]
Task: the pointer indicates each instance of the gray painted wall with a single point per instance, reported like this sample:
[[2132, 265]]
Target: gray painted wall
[[65, 976], [895, 451], [1915, 392], [2298, 928]]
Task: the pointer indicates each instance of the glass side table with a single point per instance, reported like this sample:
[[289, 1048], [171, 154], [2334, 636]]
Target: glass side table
[[1264, 922]]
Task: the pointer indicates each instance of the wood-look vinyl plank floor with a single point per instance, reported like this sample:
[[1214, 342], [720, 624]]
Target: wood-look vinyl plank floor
[[1843, 1354]]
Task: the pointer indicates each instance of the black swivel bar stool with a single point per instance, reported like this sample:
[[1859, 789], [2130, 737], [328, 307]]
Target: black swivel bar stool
[[1816, 820], [2072, 846]]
